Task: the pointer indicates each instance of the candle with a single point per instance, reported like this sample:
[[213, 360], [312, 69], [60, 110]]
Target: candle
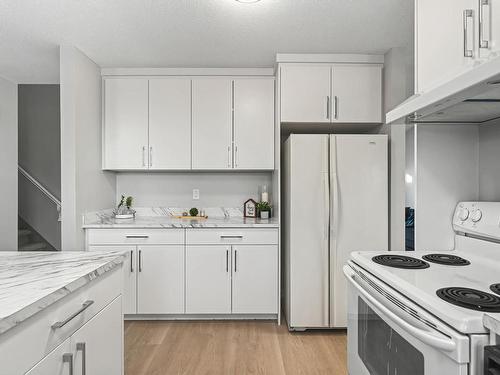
[[264, 195]]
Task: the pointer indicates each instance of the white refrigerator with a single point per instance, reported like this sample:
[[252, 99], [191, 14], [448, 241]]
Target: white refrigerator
[[335, 201]]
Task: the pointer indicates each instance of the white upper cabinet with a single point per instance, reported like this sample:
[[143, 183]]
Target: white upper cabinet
[[212, 123], [446, 40], [126, 123], [331, 93], [357, 93], [253, 123], [170, 123], [489, 28], [305, 93]]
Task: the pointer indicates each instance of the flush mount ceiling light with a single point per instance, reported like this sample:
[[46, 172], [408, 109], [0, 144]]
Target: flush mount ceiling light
[[247, 1]]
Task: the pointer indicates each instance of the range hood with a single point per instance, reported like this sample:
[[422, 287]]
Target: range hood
[[473, 97]]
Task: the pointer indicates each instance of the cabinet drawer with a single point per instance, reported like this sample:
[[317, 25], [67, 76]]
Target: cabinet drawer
[[232, 236], [23, 346], [135, 236]]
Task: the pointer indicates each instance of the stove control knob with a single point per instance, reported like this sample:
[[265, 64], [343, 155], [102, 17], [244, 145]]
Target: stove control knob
[[476, 215], [463, 214]]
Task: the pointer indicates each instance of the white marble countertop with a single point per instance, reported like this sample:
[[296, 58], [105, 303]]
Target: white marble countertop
[[32, 281], [165, 218]]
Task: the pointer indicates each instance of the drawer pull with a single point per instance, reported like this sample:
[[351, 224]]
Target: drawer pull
[[231, 236], [137, 236], [81, 347], [68, 358], [84, 307], [140, 260]]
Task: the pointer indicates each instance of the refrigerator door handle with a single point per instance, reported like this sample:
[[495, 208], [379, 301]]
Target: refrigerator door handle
[[334, 219], [326, 271]]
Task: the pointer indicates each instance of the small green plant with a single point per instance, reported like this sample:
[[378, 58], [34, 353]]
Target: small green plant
[[127, 202], [263, 206], [193, 211], [122, 202]]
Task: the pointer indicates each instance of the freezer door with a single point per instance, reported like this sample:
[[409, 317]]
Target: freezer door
[[359, 208], [306, 228]]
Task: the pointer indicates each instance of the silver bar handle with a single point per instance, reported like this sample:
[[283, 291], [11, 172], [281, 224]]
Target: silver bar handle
[[336, 107], [229, 156], [140, 260], [236, 156], [235, 260], [483, 42], [131, 261], [468, 15], [144, 156], [62, 323], [231, 236], [150, 156], [144, 236], [68, 358], [227, 260], [328, 107], [83, 348]]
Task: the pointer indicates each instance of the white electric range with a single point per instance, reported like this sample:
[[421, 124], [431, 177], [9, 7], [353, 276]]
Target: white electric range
[[421, 313]]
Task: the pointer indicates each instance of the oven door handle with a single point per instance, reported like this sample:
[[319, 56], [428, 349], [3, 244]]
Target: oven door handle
[[445, 344]]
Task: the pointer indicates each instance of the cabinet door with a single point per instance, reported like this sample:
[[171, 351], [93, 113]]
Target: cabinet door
[[489, 28], [212, 123], [170, 123], [57, 362], [441, 48], [305, 93], [160, 281], [125, 123], [208, 279], [129, 295], [357, 93], [254, 124], [98, 345], [255, 279]]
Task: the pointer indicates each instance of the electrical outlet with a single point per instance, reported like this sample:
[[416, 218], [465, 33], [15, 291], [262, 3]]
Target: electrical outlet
[[196, 194]]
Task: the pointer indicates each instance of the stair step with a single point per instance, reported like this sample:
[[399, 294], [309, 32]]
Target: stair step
[[37, 246]]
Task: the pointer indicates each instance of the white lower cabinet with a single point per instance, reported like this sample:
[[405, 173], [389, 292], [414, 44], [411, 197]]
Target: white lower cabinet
[[160, 279], [57, 362], [255, 279], [208, 279], [97, 347]]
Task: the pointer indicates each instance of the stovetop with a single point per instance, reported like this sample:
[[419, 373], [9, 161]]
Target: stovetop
[[446, 291]]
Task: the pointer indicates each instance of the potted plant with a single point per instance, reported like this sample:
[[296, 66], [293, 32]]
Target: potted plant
[[124, 209], [264, 209]]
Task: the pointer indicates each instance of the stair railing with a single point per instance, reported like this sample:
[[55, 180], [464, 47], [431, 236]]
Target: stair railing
[[43, 189]]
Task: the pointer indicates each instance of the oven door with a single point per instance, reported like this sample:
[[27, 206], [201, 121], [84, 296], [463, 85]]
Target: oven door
[[388, 334]]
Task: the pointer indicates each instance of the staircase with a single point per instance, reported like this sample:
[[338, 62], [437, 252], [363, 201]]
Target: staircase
[[29, 239]]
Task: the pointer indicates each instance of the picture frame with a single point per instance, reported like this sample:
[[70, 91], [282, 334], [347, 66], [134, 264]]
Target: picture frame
[[250, 208]]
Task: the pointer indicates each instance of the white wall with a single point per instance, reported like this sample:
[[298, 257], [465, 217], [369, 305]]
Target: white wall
[[398, 86], [489, 161], [8, 164], [176, 189], [446, 173], [410, 167], [84, 187]]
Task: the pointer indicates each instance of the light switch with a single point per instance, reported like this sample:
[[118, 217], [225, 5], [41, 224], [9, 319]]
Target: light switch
[[196, 194]]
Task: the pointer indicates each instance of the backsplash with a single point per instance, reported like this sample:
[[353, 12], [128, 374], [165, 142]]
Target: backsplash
[[225, 189]]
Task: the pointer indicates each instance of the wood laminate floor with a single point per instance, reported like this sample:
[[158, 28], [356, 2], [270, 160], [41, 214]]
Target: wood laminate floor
[[230, 348]]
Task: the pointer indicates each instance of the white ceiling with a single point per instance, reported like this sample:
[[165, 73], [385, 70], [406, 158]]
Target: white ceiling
[[191, 33]]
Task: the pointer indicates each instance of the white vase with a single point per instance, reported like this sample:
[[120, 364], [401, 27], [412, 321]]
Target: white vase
[[264, 214]]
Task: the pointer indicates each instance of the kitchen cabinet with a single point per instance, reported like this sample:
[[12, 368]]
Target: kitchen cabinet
[[97, 346], [58, 362], [331, 93], [446, 40], [356, 93], [208, 279], [126, 123], [160, 279], [129, 294], [254, 279], [305, 93], [170, 123], [253, 123], [489, 28], [212, 123]]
